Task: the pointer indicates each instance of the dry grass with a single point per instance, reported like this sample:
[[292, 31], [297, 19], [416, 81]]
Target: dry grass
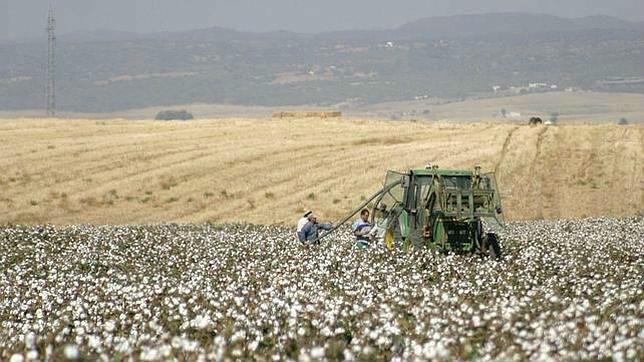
[[571, 106], [269, 171]]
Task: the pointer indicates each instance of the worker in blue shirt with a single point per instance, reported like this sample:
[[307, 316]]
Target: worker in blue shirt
[[310, 231]]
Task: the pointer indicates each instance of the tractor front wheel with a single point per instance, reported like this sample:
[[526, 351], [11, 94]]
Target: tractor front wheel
[[490, 246]]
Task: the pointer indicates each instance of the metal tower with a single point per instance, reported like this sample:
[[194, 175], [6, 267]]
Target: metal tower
[[51, 65]]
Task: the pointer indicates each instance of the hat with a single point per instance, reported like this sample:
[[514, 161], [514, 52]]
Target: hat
[[306, 214]]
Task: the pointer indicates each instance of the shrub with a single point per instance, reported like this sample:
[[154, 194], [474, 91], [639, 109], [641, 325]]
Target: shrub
[[622, 122], [170, 115], [535, 121]]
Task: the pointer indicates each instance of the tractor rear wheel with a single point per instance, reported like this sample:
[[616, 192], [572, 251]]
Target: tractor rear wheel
[[490, 246]]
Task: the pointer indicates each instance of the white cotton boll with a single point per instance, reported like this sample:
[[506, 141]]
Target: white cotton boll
[[476, 321], [219, 341], [429, 351], [238, 336], [30, 340], [110, 326], [16, 358], [317, 352], [165, 350], [417, 350], [150, 354], [326, 331], [443, 352], [70, 351], [94, 342], [201, 322], [182, 310], [303, 356], [32, 355], [153, 325], [123, 347], [176, 342]]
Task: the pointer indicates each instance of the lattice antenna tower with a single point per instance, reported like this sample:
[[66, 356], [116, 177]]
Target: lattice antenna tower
[[51, 64]]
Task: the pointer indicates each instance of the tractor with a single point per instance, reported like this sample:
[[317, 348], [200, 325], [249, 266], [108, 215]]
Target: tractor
[[456, 211], [447, 210]]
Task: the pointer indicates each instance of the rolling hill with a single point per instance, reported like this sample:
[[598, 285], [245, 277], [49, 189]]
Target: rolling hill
[[446, 57]]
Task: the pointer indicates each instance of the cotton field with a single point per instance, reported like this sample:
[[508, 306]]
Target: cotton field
[[565, 290]]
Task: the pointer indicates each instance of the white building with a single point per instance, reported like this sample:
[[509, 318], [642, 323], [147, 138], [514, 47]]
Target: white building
[[537, 85]]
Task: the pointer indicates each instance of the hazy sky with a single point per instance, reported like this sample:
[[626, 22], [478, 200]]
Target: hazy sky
[[26, 18]]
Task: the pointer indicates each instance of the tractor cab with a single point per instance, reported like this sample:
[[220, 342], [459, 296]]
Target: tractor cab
[[439, 208]]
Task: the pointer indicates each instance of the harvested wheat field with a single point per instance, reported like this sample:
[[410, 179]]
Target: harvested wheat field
[[269, 171]]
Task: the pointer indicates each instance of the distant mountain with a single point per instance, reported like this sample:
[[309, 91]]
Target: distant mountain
[[214, 33], [509, 23], [99, 36], [459, 26], [446, 57]]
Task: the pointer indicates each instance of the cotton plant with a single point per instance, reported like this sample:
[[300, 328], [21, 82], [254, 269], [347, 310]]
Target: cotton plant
[[569, 289]]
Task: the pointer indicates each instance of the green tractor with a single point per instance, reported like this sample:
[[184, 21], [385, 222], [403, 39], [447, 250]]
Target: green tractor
[[455, 211], [448, 210]]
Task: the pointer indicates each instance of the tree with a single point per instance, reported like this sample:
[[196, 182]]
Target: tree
[[169, 115], [503, 112], [622, 121]]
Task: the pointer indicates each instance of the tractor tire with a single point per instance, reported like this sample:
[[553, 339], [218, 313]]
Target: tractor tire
[[490, 246]]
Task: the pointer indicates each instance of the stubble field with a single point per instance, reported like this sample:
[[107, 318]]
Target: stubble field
[[269, 171]]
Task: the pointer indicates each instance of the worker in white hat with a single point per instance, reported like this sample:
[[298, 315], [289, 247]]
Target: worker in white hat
[[311, 230], [301, 223]]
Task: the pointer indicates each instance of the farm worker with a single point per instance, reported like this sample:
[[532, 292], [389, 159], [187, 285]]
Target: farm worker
[[361, 229], [301, 223], [311, 230]]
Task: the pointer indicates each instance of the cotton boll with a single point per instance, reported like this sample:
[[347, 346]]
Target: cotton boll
[[317, 352], [70, 352]]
